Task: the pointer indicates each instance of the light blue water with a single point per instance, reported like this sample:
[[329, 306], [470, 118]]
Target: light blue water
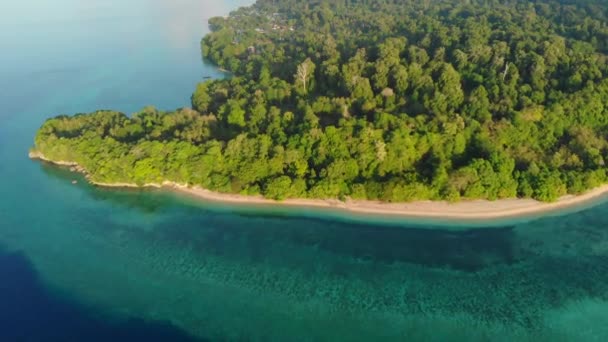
[[81, 263]]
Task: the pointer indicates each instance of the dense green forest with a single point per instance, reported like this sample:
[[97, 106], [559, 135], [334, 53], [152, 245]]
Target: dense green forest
[[396, 100]]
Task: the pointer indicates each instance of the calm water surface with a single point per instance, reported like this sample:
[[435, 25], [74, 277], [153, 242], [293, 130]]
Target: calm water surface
[[81, 263]]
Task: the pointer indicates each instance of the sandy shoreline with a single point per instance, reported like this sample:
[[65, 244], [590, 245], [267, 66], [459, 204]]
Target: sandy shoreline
[[464, 210]]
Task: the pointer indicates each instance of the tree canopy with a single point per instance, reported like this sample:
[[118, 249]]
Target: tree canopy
[[394, 100]]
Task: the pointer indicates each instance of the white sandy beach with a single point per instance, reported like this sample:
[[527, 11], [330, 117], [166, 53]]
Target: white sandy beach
[[473, 209]]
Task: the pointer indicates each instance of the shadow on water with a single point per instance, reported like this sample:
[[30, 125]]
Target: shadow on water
[[138, 199], [225, 234], [235, 233], [30, 312], [470, 250]]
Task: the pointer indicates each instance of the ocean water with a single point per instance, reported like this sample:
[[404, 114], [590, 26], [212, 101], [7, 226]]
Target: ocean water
[[82, 263]]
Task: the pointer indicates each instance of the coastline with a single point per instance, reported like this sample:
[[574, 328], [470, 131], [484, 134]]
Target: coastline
[[464, 210]]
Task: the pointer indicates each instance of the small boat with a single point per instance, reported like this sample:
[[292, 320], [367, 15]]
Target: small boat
[[206, 77], [74, 182]]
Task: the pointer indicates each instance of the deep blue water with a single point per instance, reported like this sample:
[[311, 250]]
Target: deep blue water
[[81, 263]]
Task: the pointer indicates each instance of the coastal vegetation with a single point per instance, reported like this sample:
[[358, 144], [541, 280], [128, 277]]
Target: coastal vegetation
[[383, 100]]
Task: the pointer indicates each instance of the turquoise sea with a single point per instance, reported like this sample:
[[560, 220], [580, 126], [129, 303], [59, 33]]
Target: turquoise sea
[[79, 263]]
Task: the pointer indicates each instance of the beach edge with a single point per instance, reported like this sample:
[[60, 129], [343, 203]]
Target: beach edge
[[463, 210]]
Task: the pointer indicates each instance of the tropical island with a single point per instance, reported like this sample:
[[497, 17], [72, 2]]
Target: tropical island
[[376, 103]]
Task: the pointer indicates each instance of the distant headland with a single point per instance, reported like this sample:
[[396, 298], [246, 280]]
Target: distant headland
[[395, 108]]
